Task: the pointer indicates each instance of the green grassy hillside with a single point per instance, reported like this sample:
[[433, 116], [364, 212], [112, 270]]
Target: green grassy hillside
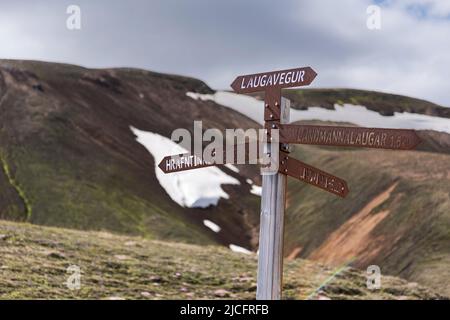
[[70, 159], [34, 262]]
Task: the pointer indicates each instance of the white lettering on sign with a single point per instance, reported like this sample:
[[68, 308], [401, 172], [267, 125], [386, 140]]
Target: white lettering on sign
[[183, 162], [280, 78]]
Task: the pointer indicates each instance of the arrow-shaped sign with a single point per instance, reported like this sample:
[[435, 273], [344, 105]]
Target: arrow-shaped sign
[[188, 161], [349, 136], [182, 162], [311, 175], [274, 79]]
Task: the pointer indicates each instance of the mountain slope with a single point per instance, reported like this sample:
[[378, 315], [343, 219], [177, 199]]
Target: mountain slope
[[384, 103], [73, 161], [119, 267], [397, 214], [69, 159]]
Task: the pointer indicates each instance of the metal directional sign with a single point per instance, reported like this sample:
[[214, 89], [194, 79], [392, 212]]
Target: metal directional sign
[[183, 162], [349, 136], [311, 175], [273, 196], [190, 161], [275, 79]]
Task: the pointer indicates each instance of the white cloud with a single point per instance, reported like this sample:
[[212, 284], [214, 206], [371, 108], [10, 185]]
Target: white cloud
[[433, 8], [217, 40]]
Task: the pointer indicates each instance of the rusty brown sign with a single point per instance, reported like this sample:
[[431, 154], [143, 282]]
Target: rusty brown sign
[[183, 162], [242, 154], [273, 196], [275, 79], [401, 139], [306, 173]]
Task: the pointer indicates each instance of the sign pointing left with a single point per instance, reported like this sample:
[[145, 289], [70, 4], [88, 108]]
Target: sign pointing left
[[182, 162], [242, 153]]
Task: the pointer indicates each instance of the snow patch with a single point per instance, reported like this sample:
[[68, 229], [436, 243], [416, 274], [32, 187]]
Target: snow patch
[[197, 96], [232, 167], [359, 115], [256, 190], [198, 188], [214, 227], [238, 249], [245, 105]]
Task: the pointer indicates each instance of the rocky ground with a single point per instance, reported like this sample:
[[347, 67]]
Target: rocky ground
[[34, 264]]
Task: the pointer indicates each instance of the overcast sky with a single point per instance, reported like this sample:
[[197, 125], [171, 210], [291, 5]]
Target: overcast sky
[[216, 40]]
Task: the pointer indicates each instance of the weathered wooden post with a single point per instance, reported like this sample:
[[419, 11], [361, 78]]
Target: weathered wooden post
[[271, 234]]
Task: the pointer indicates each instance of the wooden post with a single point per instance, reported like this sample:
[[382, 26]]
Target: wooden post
[[273, 200]]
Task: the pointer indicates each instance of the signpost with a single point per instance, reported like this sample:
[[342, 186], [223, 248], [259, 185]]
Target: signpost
[[273, 196]]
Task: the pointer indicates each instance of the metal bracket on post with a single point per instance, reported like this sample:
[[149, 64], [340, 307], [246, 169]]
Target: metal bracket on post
[[273, 199]]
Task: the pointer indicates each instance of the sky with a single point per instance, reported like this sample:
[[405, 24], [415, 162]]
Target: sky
[[216, 40]]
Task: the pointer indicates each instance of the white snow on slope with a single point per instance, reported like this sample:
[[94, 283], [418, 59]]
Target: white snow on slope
[[214, 227], [358, 115], [197, 188], [256, 190], [238, 249], [246, 105], [232, 167]]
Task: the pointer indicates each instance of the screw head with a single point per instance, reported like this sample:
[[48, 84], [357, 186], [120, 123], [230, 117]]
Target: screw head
[[276, 104], [267, 105], [274, 126]]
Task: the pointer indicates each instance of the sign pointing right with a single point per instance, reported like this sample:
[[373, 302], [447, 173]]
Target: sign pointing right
[[311, 175], [275, 79], [401, 139]]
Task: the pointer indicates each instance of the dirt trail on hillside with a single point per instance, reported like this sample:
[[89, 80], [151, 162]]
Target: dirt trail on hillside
[[353, 238], [294, 253]]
